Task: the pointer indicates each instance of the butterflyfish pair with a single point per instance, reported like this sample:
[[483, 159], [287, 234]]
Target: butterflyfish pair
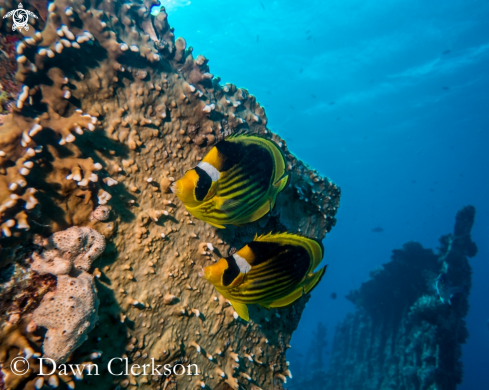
[[237, 182], [273, 271]]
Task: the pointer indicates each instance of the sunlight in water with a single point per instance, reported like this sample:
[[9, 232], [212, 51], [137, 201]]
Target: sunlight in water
[[169, 5]]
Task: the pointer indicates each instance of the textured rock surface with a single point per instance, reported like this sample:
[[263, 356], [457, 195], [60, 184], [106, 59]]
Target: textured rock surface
[[112, 109], [402, 336]]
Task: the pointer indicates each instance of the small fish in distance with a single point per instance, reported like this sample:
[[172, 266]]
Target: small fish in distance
[[273, 271], [378, 229]]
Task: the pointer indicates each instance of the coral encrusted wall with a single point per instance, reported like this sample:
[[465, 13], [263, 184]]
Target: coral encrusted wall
[[112, 109]]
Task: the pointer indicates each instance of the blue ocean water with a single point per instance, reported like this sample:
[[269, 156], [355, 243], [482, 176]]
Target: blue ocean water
[[390, 99]]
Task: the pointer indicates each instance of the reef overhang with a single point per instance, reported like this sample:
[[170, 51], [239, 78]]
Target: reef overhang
[[112, 110]]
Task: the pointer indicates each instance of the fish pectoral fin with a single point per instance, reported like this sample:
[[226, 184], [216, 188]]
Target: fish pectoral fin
[[229, 204], [241, 309], [306, 287], [211, 192]]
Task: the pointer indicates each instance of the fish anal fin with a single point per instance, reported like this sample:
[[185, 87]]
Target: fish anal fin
[[241, 309]]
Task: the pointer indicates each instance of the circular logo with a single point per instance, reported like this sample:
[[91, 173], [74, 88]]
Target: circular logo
[[19, 365], [20, 17]]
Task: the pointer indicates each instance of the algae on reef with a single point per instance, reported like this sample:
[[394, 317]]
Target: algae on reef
[[111, 110], [402, 336]]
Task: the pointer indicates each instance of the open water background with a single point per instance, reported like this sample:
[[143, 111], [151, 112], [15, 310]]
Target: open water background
[[390, 99]]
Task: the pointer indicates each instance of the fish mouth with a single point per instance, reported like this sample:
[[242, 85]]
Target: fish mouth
[[201, 273], [174, 189]]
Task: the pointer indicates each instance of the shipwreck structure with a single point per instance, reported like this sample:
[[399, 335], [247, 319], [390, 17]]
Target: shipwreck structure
[[112, 109], [402, 334]]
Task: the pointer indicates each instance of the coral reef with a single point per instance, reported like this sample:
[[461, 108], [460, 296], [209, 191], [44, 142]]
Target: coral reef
[[8, 66], [111, 110], [18, 340], [402, 336]]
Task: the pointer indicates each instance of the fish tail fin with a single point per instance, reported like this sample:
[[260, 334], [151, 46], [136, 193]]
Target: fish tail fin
[[309, 284], [314, 279], [241, 309], [282, 181], [278, 186]]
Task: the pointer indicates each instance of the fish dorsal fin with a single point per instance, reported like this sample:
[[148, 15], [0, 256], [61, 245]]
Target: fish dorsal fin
[[313, 247], [241, 309]]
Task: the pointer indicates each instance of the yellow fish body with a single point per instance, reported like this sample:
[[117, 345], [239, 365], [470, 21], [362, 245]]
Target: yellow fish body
[[273, 270], [237, 182]]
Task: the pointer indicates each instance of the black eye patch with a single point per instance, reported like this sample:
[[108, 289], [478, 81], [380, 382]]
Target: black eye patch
[[231, 272], [203, 184]]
